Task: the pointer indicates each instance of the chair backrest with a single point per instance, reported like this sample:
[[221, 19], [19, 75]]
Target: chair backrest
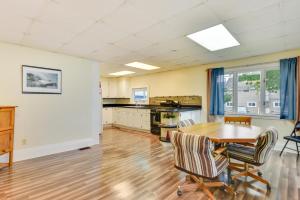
[[239, 119], [185, 123], [192, 154], [297, 126], [265, 144]]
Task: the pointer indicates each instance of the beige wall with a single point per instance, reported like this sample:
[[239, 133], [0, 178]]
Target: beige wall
[[50, 119], [192, 81]]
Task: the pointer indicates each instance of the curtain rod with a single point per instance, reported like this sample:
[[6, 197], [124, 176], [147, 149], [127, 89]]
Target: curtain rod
[[246, 65]]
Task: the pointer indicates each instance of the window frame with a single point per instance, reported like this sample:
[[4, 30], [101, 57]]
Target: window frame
[[145, 89], [263, 68]]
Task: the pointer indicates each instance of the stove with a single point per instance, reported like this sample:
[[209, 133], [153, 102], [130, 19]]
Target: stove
[[165, 106]]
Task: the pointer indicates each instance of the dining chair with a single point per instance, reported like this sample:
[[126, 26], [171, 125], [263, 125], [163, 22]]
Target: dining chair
[[253, 156], [294, 138], [193, 156], [185, 123], [240, 119]]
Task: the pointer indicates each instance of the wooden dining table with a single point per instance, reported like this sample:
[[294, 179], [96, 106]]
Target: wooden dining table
[[225, 133]]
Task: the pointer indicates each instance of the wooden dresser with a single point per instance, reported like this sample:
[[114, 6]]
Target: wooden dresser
[[7, 121]]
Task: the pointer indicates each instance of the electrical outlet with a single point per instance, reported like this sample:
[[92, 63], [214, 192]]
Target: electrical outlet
[[24, 142]]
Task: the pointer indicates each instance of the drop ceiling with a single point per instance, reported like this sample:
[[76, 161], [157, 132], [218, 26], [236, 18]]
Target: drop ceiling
[[116, 32]]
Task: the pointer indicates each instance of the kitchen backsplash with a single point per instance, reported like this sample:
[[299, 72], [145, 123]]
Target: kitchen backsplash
[[115, 101], [184, 100]]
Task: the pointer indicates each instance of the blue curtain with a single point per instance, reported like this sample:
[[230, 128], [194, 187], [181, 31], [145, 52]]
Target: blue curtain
[[288, 88], [217, 92]]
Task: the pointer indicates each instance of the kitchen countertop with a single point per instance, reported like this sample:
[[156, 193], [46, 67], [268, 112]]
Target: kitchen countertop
[[183, 108]]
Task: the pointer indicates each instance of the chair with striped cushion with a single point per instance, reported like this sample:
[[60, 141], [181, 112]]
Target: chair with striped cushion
[[253, 156], [193, 155], [240, 119], [185, 123]]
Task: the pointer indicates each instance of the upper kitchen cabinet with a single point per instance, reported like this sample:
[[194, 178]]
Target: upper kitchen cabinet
[[124, 90], [115, 87], [105, 87]]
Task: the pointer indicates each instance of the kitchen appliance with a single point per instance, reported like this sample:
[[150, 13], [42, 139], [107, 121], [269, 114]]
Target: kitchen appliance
[[156, 114]]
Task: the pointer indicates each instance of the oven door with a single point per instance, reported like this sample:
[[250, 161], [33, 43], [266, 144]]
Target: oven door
[[155, 122]]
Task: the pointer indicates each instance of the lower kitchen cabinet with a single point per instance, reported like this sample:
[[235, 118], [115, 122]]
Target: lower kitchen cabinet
[[127, 117], [107, 116]]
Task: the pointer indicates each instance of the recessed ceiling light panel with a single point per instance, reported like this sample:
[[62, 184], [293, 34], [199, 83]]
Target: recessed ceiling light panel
[[121, 73], [214, 38], [142, 66]]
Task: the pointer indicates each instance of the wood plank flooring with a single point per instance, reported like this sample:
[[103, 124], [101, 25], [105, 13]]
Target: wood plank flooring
[[131, 166]]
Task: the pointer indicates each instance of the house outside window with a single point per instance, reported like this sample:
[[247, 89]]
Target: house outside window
[[253, 90]]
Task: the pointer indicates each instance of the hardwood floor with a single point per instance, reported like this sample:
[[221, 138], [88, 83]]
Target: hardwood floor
[[130, 165]]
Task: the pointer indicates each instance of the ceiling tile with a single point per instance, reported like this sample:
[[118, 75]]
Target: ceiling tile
[[230, 9], [158, 33], [193, 20], [128, 19], [290, 9], [132, 43], [163, 9], [255, 20], [27, 9]]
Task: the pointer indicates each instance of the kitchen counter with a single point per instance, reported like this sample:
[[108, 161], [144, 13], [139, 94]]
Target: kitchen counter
[[183, 108]]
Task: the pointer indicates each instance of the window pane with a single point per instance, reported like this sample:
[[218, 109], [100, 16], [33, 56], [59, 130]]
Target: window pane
[[140, 94], [248, 92], [272, 103], [228, 93]]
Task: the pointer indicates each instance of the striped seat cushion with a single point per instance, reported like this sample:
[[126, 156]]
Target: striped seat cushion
[[192, 154], [241, 152], [257, 155], [221, 163]]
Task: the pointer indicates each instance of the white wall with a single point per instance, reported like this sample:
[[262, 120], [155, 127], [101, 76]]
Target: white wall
[[51, 123], [192, 81]]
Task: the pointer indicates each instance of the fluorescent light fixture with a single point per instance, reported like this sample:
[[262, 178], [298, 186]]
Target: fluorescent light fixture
[[214, 38], [142, 66], [121, 73]]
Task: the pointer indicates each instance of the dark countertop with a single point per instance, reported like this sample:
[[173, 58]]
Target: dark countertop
[[183, 108]]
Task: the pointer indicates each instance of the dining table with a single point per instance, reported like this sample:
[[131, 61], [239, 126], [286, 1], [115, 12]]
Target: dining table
[[219, 132]]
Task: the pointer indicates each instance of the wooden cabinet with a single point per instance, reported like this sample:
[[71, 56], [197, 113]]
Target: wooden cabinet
[[7, 121]]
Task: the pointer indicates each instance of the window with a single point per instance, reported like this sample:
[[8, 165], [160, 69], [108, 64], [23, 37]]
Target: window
[[251, 104], [140, 94], [276, 104], [252, 90], [228, 104]]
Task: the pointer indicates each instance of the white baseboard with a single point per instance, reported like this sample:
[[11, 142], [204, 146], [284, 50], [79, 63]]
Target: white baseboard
[[39, 151]]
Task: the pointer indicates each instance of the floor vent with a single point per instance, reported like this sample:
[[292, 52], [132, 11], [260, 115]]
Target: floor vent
[[84, 148]]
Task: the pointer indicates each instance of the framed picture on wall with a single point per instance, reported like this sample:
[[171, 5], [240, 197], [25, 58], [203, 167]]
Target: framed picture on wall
[[41, 80]]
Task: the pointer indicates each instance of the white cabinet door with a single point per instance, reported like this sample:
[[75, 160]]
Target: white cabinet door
[[116, 116], [123, 88], [145, 119], [105, 88], [107, 116], [113, 88]]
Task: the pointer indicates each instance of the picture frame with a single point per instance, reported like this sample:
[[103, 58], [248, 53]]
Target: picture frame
[[40, 80]]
